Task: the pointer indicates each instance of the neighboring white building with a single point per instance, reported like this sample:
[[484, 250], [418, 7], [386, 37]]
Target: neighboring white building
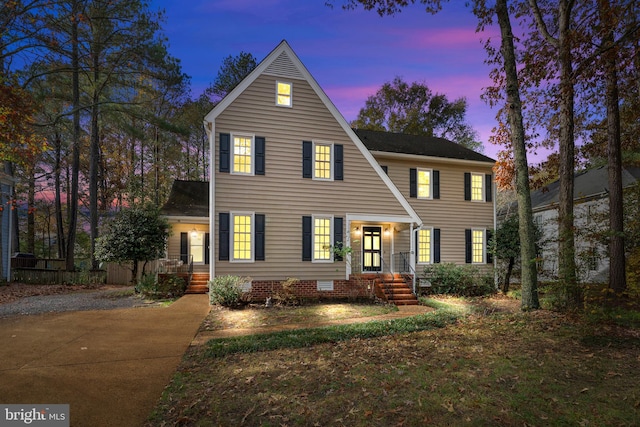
[[591, 207]]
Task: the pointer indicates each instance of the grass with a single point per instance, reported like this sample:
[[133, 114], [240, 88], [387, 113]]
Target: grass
[[476, 363]]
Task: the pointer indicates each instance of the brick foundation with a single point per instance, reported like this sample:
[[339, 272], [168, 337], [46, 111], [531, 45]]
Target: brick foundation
[[308, 290]]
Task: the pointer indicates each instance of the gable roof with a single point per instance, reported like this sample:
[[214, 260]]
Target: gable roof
[[418, 145], [282, 61], [592, 183], [187, 198]]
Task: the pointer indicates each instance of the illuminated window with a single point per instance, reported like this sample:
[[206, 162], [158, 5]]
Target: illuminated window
[[322, 238], [424, 246], [242, 232], [477, 246], [242, 154], [322, 161], [283, 94], [477, 186], [424, 184]]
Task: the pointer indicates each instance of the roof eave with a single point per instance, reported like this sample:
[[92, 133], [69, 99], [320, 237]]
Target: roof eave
[[422, 158]]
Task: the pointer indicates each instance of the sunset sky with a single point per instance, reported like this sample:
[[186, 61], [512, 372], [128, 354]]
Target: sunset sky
[[350, 53]]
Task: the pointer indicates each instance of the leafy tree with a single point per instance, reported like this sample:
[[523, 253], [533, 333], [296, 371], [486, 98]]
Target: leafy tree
[[413, 109], [134, 235], [232, 71]]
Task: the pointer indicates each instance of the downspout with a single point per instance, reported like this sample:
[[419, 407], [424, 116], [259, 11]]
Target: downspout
[[412, 256], [210, 129]]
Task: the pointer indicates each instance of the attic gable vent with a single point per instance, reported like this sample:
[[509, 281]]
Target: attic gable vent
[[283, 67]]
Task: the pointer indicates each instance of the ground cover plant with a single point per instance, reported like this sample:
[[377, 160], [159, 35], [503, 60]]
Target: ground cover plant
[[494, 366]]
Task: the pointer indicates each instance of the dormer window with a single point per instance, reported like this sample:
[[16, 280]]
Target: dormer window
[[283, 94]]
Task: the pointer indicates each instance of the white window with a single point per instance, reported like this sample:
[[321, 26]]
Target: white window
[[196, 249], [424, 183], [425, 245], [477, 246], [284, 94], [477, 187], [242, 236], [322, 160], [243, 154], [322, 232]]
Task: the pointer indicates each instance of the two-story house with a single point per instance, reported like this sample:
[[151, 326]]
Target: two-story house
[[291, 181]]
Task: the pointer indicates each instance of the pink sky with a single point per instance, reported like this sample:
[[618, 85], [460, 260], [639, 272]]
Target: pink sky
[[350, 53]]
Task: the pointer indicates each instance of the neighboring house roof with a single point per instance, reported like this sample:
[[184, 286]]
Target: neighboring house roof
[[592, 183], [188, 198], [419, 145]]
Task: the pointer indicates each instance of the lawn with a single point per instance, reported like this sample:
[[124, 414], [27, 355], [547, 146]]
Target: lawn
[[494, 366]]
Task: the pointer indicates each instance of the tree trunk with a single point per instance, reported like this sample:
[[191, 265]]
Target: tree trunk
[[617, 279], [525, 213], [507, 277], [94, 154], [75, 162], [566, 240], [62, 247], [31, 209]]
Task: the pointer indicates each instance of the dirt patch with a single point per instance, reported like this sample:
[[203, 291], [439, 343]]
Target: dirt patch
[[14, 291]]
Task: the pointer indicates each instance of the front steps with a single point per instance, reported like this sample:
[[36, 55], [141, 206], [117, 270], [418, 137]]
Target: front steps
[[394, 289], [199, 284]]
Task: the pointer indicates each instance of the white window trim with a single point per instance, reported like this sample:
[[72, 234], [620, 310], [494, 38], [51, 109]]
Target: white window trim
[[430, 246], [253, 153], [483, 191], [430, 183], [484, 246], [313, 238], [290, 105], [231, 236], [331, 160]]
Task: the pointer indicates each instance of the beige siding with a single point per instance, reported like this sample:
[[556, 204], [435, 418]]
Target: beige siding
[[282, 194], [451, 213]]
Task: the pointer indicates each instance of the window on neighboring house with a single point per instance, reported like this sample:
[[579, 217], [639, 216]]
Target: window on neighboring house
[[242, 242], [242, 159], [424, 246], [283, 94], [322, 238]]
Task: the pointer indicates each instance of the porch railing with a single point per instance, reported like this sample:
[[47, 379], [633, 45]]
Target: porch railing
[[402, 264]]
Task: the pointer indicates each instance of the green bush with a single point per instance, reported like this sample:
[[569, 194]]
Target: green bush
[[227, 290], [166, 286], [461, 280]]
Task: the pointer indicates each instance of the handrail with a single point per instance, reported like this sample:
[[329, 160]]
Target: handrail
[[407, 263]]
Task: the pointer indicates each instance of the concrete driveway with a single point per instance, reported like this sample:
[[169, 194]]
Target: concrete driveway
[[110, 366]]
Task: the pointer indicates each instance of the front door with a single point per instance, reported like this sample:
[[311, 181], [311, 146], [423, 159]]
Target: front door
[[372, 249]]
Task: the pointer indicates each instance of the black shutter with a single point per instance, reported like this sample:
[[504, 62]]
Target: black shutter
[[207, 242], [260, 232], [307, 159], [184, 247], [338, 166], [385, 169], [488, 246], [436, 245], [467, 186], [306, 238], [413, 182], [223, 238], [488, 187], [260, 155], [436, 184], [225, 152], [467, 246], [337, 236]]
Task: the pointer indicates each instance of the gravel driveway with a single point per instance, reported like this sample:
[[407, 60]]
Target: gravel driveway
[[76, 301]]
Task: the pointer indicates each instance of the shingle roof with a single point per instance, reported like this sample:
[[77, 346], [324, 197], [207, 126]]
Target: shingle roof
[[187, 198], [418, 145], [590, 183]]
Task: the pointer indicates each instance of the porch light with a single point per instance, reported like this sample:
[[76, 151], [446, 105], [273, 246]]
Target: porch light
[[386, 231], [357, 231], [194, 233]]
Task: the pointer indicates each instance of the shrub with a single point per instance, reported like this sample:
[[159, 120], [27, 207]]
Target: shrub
[[286, 294], [461, 280], [166, 286], [227, 290]]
